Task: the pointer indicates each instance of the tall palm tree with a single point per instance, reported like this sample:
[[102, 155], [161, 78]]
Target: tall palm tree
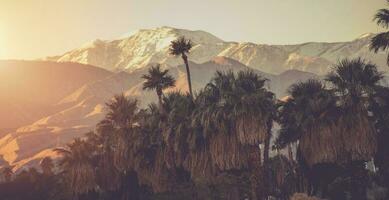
[[155, 148], [120, 132], [355, 82], [78, 163], [381, 41], [181, 47], [158, 80], [309, 119], [380, 111], [47, 165], [234, 115], [123, 117]]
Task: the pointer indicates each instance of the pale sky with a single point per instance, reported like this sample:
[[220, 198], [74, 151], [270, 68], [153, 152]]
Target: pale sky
[[38, 28]]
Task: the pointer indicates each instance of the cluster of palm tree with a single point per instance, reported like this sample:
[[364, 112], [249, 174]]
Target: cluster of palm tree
[[333, 124], [220, 139], [222, 135], [179, 141]]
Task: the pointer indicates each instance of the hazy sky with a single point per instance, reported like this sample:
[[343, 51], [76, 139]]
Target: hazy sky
[[37, 28]]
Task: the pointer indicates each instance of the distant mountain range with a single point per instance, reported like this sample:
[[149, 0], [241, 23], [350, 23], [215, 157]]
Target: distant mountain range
[[54, 101], [151, 46]]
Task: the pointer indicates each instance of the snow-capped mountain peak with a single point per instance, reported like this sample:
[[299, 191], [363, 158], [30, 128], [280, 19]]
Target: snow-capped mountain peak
[[145, 46]]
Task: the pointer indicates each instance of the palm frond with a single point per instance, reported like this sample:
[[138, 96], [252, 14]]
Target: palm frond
[[180, 46], [382, 18], [380, 42]]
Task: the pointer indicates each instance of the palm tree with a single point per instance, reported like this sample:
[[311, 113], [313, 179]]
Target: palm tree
[[79, 167], [355, 82], [123, 117], [158, 80], [380, 111], [47, 165], [309, 105], [181, 47], [309, 118], [234, 115], [381, 41], [120, 132], [153, 150]]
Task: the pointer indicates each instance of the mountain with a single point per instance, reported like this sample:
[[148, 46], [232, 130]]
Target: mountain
[[83, 108], [143, 47], [31, 89]]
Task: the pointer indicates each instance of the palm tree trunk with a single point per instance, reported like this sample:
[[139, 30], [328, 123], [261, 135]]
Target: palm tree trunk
[[290, 152], [255, 166], [159, 93], [185, 58], [266, 152], [267, 141]]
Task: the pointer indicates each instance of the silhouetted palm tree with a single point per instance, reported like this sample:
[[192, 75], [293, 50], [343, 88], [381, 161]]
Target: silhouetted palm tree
[[158, 80], [120, 131], [181, 47], [78, 163], [309, 118], [234, 115], [381, 41], [123, 117], [355, 82], [380, 110]]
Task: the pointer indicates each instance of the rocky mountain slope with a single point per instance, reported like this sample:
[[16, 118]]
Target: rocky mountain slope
[[30, 89], [151, 46]]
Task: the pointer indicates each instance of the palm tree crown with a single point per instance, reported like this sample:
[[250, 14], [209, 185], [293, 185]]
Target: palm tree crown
[[180, 46], [158, 80], [121, 111], [354, 80]]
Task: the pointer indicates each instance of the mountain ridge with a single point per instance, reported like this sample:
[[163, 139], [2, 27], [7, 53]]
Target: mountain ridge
[[146, 46]]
